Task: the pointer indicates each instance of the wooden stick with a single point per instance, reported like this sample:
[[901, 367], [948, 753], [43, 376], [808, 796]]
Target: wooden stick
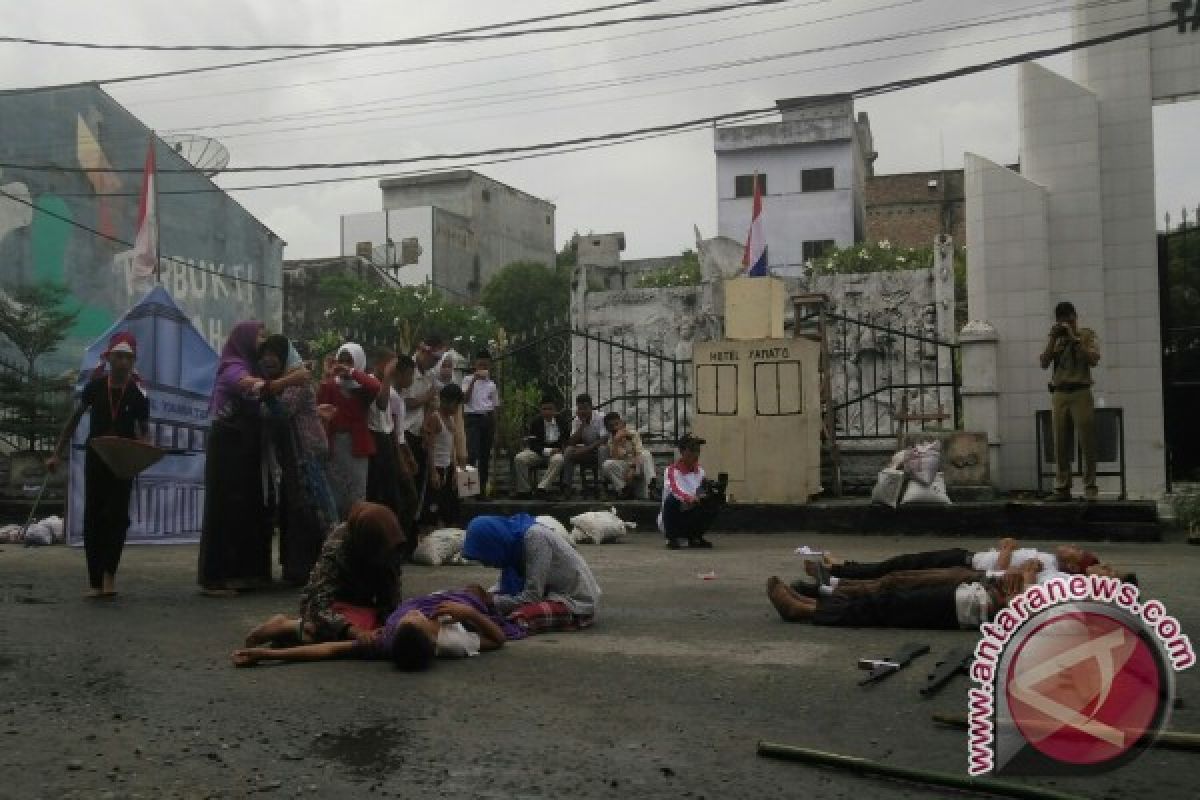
[[929, 777], [1167, 740]]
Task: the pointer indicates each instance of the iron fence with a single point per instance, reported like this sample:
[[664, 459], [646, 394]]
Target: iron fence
[[651, 390], [882, 378]]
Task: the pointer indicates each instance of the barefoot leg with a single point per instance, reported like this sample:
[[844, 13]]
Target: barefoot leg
[[275, 628]]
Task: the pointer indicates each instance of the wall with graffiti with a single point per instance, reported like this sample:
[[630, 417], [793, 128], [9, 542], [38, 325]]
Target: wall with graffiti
[[220, 264]]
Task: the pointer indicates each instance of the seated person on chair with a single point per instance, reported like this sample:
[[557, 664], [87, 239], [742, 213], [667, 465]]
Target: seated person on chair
[[544, 448], [588, 443], [630, 466], [690, 502]]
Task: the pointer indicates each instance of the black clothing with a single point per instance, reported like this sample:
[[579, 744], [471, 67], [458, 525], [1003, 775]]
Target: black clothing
[[933, 559], [537, 434], [930, 608], [114, 411], [481, 435], [680, 524]]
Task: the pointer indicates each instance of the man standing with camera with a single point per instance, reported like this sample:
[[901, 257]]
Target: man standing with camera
[[1072, 351]]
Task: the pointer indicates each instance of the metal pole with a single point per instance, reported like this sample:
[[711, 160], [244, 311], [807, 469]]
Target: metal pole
[[925, 776]]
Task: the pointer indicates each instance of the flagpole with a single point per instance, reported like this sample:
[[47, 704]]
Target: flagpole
[[157, 211]]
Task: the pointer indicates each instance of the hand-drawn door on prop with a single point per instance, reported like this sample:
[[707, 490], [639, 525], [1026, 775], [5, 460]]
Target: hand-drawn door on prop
[[177, 367]]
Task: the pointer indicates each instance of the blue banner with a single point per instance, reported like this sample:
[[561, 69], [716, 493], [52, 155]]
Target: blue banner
[[177, 367]]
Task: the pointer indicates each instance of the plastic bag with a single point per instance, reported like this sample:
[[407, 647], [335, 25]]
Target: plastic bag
[[599, 527], [933, 494], [10, 534], [439, 547], [38, 535], [922, 462], [55, 524], [888, 487]]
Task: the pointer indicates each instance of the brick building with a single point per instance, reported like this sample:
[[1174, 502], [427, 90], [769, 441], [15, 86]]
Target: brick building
[[910, 209]]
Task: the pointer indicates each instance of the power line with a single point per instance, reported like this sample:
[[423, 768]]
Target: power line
[[436, 38], [425, 39], [617, 136], [118, 240]]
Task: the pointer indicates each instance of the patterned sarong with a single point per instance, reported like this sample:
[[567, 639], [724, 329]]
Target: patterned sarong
[[548, 616]]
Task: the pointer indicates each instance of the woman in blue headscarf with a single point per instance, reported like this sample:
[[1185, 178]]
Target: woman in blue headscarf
[[545, 585]]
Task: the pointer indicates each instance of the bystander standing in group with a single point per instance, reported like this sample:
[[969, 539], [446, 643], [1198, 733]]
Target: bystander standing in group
[[441, 493], [350, 390], [419, 398], [480, 401]]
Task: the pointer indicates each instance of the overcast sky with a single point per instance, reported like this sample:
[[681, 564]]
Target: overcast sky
[[402, 102]]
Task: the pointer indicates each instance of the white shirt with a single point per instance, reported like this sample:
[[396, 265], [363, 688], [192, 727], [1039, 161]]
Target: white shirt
[[551, 432], [971, 604], [484, 397], [455, 641], [397, 408], [422, 383], [592, 431], [986, 561], [683, 485]]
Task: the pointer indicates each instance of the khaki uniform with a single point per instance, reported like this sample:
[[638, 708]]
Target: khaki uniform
[[1071, 387]]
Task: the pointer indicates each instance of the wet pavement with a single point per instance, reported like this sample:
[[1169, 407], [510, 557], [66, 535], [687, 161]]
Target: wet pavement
[[665, 697]]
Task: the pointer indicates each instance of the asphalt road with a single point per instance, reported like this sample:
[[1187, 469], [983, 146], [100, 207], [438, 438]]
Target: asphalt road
[[665, 697]]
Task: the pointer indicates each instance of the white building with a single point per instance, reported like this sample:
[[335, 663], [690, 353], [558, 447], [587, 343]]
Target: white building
[[454, 229], [813, 165]]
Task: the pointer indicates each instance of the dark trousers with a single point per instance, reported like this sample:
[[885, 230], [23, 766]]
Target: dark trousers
[[680, 524], [481, 434], [934, 559], [930, 608], [105, 518], [383, 485]]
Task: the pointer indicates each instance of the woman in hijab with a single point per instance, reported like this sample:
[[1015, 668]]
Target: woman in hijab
[[235, 543], [545, 585], [296, 450], [355, 584], [349, 391]]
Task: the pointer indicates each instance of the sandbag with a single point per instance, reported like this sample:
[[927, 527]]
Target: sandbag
[[10, 534], [922, 462], [439, 547], [598, 527], [888, 487], [38, 535], [55, 524], [933, 494]]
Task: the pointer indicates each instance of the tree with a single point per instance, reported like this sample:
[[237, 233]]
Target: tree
[[35, 320], [397, 317], [524, 297], [685, 273], [569, 255]]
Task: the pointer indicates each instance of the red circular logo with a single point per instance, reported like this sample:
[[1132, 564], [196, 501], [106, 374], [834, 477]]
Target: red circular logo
[[1084, 688]]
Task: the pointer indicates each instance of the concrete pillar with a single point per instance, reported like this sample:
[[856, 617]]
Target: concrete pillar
[[980, 391]]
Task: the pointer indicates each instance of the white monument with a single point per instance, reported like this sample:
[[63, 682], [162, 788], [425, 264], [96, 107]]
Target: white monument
[[1076, 224]]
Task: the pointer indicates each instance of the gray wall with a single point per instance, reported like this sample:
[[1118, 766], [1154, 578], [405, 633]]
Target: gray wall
[[204, 228]]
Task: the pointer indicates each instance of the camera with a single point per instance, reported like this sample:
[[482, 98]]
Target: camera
[[711, 494]]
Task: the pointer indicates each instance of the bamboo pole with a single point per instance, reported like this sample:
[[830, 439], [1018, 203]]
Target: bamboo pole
[[1167, 740], [928, 777]]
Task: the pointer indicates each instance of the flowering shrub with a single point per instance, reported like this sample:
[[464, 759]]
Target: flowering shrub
[[872, 257]]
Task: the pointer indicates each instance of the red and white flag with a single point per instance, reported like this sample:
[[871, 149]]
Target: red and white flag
[[754, 257], [145, 248]]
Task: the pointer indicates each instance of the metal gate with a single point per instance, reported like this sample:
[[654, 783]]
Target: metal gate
[[650, 389], [1179, 298], [882, 379]]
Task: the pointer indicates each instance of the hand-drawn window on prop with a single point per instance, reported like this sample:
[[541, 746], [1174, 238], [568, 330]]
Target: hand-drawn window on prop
[[717, 389], [777, 389]]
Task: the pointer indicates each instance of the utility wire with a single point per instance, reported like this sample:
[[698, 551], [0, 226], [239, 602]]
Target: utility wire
[[435, 38], [38, 209], [424, 39], [617, 136]]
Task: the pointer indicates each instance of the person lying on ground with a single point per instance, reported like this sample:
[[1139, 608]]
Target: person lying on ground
[[545, 585], [355, 583], [1067, 557], [457, 623], [947, 576], [944, 607]]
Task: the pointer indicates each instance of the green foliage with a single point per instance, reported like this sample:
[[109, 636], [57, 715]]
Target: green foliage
[[1187, 509], [36, 320], [872, 257], [524, 297], [569, 255], [514, 415], [397, 317], [685, 273]]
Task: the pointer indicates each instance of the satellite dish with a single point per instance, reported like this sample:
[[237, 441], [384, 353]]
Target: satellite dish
[[202, 152]]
